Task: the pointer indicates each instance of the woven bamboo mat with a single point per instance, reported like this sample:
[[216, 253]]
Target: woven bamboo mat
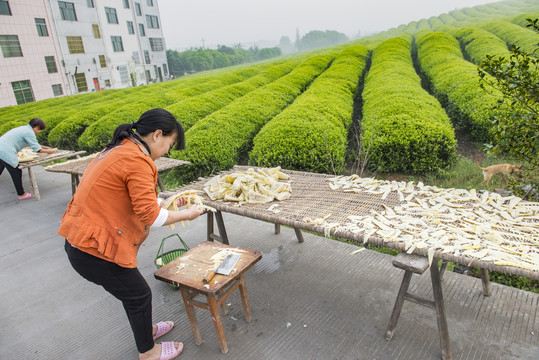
[[45, 158], [78, 166], [313, 198]]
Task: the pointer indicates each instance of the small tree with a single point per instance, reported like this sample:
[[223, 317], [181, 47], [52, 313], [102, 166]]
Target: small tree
[[516, 125]]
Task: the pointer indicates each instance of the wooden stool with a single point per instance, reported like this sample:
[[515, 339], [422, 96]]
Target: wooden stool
[[418, 264], [187, 272]]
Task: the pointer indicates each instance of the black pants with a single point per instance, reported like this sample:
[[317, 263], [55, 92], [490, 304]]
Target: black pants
[[16, 176], [126, 284]]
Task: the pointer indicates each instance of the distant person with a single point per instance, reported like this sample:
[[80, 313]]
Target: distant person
[[110, 215], [12, 142]]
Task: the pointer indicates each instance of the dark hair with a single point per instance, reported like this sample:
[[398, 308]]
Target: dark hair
[[150, 121], [37, 122]]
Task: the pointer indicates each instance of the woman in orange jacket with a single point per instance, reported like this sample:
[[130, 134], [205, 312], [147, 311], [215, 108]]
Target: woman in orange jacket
[[109, 217]]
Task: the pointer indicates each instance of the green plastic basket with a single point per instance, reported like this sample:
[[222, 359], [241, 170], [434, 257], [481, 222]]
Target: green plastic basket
[[162, 258]]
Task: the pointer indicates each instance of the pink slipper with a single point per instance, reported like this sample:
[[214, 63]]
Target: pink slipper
[[169, 351], [26, 196], [163, 327]]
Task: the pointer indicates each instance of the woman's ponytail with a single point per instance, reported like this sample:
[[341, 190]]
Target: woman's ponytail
[[150, 121]]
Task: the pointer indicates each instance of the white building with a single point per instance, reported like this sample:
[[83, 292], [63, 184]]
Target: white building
[[53, 48]]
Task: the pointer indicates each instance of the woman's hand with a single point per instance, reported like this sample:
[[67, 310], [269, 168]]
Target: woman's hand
[[47, 149], [193, 212], [181, 201]]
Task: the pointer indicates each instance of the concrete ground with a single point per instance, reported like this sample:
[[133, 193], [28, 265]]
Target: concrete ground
[[309, 301]]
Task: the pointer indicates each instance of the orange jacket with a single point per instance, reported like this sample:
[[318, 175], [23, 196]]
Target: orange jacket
[[116, 202]]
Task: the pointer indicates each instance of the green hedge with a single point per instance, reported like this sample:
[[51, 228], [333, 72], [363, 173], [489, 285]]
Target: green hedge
[[513, 34], [403, 127], [521, 19], [434, 22], [454, 81], [191, 110], [479, 43], [98, 129], [218, 141], [311, 134]]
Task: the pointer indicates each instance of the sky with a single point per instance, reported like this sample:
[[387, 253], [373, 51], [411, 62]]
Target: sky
[[210, 23]]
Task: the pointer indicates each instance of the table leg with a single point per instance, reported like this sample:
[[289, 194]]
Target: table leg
[[74, 183], [440, 312], [485, 280], [210, 225], [299, 235], [190, 309], [34, 190], [160, 184], [221, 227], [245, 299], [216, 317], [398, 305], [443, 267]]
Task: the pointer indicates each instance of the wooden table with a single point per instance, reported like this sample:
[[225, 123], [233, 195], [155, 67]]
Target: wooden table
[[77, 168], [187, 271], [312, 197], [45, 158]]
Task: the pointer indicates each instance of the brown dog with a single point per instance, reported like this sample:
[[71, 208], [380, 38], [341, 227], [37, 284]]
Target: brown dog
[[498, 169]]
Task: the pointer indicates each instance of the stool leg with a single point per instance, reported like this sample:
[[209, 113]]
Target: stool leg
[[216, 317], [190, 309], [398, 305], [485, 280], [245, 299], [224, 308], [440, 312]]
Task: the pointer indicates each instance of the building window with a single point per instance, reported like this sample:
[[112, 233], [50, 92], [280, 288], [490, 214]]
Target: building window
[[75, 45], [152, 22], [57, 90], [90, 5], [117, 44], [136, 57], [112, 18], [80, 81], [137, 9], [107, 82], [148, 76], [149, 2], [41, 27], [10, 46], [102, 61], [51, 64], [4, 8], [156, 44], [141, 30], [130, 28], [97, 33], [67, 11], [165, 69], [124, 75], [23, 91], [146, 56], [126, 4]]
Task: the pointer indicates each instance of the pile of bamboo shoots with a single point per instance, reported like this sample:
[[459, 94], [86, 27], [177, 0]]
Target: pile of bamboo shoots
[[486, 226]]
